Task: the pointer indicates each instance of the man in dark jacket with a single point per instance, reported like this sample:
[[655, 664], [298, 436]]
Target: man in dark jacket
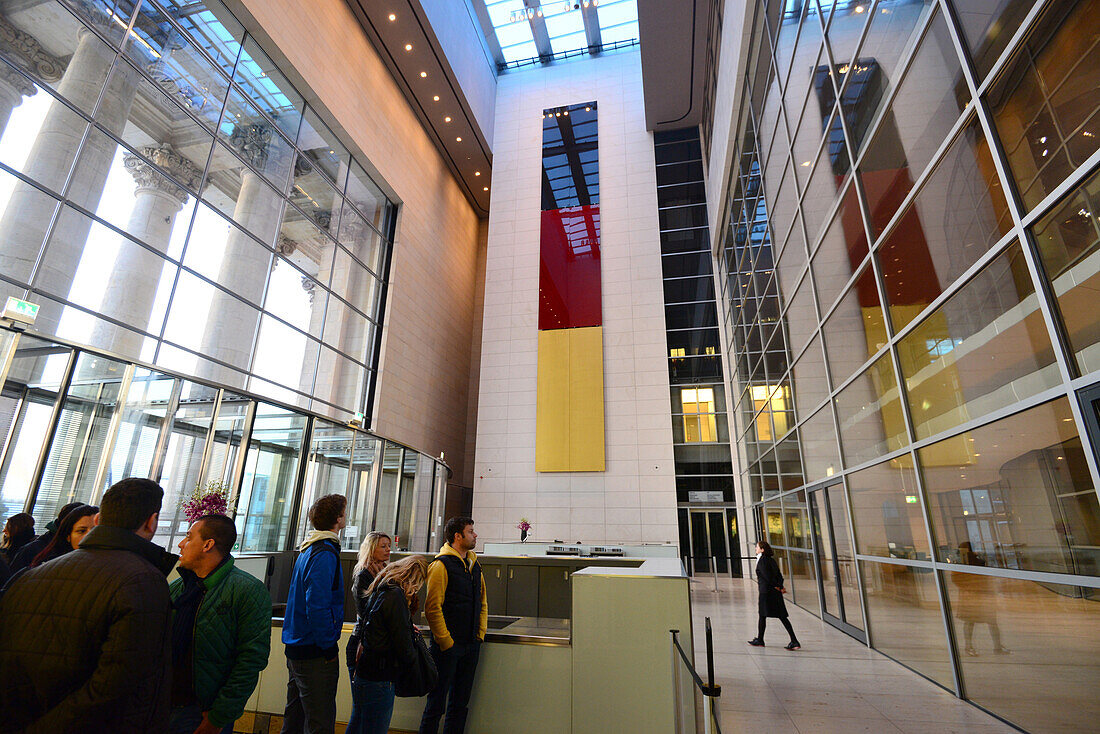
[[31, 550], [84, 639], [458, 616], [312, 623], [221, 631]]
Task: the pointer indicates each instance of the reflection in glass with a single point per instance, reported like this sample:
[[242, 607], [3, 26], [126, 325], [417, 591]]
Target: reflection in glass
[[887, 512], [181, 469], [406, 507], [1015, 635], [328, 467], [1015, 494], [1068, 238], [363, 490], [856, 328], [905, 620], [870, 414], [1045, 102], [270, 476], [986, 347], [386, 517], [819, 449]]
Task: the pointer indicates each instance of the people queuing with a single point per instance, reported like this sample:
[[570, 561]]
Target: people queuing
[[384, 643], [314, 618], [77, 523], [458, 616], [93, 638], [221, 631]]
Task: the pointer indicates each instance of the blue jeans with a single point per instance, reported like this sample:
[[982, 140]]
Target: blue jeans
[[185, 719], [371, 706]]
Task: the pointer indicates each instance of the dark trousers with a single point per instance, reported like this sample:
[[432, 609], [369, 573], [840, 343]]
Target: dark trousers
[[763, 623], [456, 669], [311, 696], [185, 719]]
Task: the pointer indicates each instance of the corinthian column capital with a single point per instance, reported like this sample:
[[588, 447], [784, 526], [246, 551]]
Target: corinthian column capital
[[148, 178]]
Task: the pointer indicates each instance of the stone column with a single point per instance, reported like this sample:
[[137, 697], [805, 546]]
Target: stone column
[[231, 327], [135, 277], [26, 218], [22, 49], [13, 88]]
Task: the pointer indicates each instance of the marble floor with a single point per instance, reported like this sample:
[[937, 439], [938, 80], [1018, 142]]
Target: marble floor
[[833, 684]]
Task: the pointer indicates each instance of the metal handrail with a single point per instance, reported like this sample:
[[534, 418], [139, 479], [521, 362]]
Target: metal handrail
[[709, 689]]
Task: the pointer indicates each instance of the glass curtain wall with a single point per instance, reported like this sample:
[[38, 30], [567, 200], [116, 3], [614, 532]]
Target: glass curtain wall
[[166, 196], [914, 192], [75, 422], [700, 428]]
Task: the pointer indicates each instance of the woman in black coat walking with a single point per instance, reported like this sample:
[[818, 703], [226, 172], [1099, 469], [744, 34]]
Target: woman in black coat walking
[[770, 581]]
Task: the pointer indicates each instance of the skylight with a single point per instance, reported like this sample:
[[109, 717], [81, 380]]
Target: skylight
[[530, 31]]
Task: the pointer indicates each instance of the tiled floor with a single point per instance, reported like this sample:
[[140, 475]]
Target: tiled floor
[[833, 684]]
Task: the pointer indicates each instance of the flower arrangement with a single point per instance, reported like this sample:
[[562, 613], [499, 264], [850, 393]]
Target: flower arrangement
[[213, 499], [523, 524]]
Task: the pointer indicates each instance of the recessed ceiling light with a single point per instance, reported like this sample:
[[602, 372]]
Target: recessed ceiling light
[[393, 17], [435, 98], [446, 119], [408, 47], [859, 8], [423, 74], [477, 173], [459, 140], [485, 189]]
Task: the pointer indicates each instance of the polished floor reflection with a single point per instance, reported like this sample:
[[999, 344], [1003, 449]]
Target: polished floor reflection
[[834, 684]]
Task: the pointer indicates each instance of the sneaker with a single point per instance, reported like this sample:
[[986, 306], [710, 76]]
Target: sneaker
[[793, 645], [1002, 651], [756, 642], [971, 651]]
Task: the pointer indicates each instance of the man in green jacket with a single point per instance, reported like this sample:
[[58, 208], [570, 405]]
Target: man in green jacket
[[221, 631]]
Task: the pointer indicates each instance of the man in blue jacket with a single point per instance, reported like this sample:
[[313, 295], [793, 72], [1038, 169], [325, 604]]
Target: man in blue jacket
[[314, 616]]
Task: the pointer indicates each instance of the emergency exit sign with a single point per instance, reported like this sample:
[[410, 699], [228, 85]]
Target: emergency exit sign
[[17, 309]]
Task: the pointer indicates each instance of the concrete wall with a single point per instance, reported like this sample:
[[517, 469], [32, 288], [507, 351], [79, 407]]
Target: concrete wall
[[634, 500], [425, 360]]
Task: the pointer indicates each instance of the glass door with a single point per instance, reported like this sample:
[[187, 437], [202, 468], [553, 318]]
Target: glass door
[[711, 536], [833, 555]]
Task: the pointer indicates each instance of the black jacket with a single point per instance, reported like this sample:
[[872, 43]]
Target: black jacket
[[770, 580], [84, 640], [362, 582], [28, 552], [462, 601], [388, 640], [18, 543]]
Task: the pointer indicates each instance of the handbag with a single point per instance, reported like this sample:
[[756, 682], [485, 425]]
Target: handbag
[[419, 678]]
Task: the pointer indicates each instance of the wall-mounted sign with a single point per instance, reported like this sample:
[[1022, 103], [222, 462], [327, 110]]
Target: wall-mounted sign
[[710, 496]]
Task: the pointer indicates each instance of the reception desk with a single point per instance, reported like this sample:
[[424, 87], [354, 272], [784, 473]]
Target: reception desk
[[604, 667]]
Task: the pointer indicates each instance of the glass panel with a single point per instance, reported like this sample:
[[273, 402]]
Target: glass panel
[[26, 405], [810, 386], [1049, 629], [285, 355], [773, 515], [845, 556], [340, 381], [856, 329], [228, 433], [406, 501], [869, 410], [207, 320], [270, 475], [212, 27], [143, 419], [361, 240], [1015, 494], [819, 448], [80, 439], [364, 478], [887, 512], [323, 150], [19, 253], [327, 467], [803, 582], [1045, 102], [985, 348], [842, 250], [365, 196], [241, 195], [181, 471], [903, 612], [1068, 238], [988, 27], [386, 517], [312, 192], [425, 488], [958, 215], [823, 539], [268, 88]]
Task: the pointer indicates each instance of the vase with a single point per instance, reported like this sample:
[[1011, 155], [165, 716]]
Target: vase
[[523, 536]]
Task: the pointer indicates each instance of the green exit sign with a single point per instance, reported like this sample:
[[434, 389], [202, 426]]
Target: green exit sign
[[17, 309], [911, 499]]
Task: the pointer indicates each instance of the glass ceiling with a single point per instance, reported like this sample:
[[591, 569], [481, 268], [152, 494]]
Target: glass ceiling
[[515, 25]]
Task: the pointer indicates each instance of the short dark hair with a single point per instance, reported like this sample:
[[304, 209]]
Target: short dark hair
[[130, 502], [67, 509], [327, 510], [221, 529], [456, 526], [766, 547]]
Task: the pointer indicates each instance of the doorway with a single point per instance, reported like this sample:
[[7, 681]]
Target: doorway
[[834, 555], [708, 537]]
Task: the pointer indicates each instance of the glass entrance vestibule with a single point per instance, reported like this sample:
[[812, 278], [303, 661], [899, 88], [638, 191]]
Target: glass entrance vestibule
[[73, 422]]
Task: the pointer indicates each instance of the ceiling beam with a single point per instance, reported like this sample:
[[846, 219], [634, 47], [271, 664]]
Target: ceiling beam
[[538, 30], [591, 26], [487, 31]]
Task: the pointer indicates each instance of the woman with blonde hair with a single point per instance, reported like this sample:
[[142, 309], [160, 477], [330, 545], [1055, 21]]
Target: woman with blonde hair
[[374, 554], [386, 646]]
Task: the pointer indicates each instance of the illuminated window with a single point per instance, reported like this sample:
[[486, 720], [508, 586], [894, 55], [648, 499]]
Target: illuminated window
[[677, 352], [700, 423], [770, 404]]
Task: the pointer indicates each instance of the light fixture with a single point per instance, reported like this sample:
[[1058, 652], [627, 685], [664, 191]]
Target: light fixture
[[859, 8], [408, 47], [423, 74], [458, 140], [477, 173], [485, 189], [392, 17], [435, 98], [446, 119], [587, 109], [804, 164], [566, 113]]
